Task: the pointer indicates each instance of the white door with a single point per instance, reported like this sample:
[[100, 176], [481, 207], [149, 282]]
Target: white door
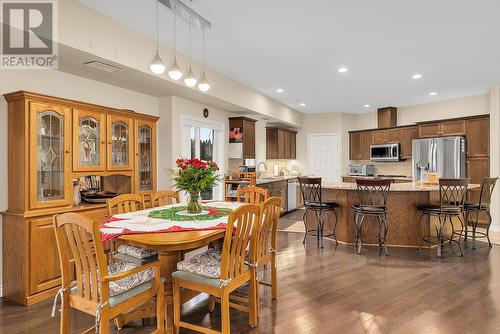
[[324, 156], [204, 140]]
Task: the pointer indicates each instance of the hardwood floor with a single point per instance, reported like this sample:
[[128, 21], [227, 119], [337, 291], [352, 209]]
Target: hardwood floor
[[335, 291]]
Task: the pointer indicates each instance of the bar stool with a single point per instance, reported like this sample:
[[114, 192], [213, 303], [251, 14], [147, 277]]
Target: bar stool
[[310, 187], [483, 205], [452, 194], [372, 194]]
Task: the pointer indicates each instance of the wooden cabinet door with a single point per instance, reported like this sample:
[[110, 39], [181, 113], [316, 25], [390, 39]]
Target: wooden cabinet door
[[393, 136], [145, 156], [355, 146], [44, 258], [407, 136], [50, 155], [284, 198], [271, 144], [477, 131], [120, 151], [477, 169], [366, 142], [286, 143], [281, 144], [89, 140], [248, 140], [429, 130], [379, 137], [453, 128], [293, 146]]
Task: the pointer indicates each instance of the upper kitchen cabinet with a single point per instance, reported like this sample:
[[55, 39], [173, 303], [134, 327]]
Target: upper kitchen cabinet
[[407, 136], [120, 149], [89, 140], [444, 128], [477, 131], [387, 136], [280, 143], [145, 153], [359, 144], [242, 137]]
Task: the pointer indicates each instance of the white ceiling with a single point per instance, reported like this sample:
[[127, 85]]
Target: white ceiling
[[299, 45]]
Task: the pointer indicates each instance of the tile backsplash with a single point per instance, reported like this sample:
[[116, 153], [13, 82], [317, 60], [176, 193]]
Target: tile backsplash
[[389, 168]]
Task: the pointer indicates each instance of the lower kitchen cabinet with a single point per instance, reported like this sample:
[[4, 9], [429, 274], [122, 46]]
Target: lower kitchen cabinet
[[278, 189]]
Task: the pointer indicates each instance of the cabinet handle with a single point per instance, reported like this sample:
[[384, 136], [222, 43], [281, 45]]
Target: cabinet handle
[[103, 142], [67, 152], [110, 142]]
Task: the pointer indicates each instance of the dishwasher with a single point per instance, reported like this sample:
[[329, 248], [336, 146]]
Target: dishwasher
[[292, 195]]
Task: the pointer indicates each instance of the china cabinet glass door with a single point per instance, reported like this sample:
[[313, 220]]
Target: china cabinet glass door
[[50, 148], [145, 156], [120, 149], [89, 144]]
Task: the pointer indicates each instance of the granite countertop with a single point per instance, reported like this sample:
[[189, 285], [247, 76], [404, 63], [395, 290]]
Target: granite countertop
[[409, 186], [405, 178], [280, 178]]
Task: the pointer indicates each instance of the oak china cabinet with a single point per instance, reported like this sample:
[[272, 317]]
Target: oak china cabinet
[[51, 143]]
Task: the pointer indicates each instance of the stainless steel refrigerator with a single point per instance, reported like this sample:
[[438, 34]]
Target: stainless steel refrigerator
[[445, 156]]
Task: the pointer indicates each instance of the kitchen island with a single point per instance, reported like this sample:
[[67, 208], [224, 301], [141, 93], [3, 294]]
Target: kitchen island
[[403, 227]]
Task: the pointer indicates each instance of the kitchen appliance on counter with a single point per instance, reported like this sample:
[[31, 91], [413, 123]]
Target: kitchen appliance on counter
[[384, 152], [361, 170], [443, 157]]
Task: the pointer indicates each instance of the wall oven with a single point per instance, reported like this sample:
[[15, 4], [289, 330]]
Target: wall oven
[[384, 152]]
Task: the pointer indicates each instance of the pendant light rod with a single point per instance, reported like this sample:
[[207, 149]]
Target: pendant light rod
[[186, 12], [157, 24]]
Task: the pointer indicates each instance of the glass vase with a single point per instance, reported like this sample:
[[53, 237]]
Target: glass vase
[[194, 205]]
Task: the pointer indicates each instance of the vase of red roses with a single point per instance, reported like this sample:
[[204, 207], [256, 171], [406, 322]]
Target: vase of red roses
[[193, 176]]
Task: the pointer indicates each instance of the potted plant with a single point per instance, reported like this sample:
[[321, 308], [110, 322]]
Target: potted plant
[[193, 176]]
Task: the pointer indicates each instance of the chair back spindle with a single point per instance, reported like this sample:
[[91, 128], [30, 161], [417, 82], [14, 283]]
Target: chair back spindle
[[125, 203], [165, 197], [486, 193], [252, 195], [268, 232], [79, 246], [242, 224], [452, 193], [310, 187], [373, 192]]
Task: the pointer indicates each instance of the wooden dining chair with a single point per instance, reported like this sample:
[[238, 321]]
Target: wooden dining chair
[[252, 195], [220, 275], [125, 203], [98, 289], [164, 197]]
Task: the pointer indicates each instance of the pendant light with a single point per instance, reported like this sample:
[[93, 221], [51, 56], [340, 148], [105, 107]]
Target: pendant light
[[157, 66], [190, 80], [203, 85], [175, 72]]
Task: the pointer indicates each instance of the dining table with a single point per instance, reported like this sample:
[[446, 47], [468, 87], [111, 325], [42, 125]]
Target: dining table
[[171, 245]]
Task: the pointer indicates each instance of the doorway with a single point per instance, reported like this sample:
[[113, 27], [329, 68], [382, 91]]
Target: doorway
[[324, 156], [203, 139]]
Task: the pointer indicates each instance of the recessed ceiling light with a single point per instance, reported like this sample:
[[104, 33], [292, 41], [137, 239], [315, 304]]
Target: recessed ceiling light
[[366, 106], [343, 69], [433, 93], [280, 90], [416, 76], [302, 104]]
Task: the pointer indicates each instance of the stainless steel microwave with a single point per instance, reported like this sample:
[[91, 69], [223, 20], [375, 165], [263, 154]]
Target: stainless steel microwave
[[384, 152]]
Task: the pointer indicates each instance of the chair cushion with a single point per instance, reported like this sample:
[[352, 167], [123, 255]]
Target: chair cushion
[[475, 206], [206, 264], [126, 295], [369, 209], [185, 275], [138, 252], [133, 259], [120, 286], [322, 205]]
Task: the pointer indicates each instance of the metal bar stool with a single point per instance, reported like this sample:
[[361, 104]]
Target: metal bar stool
[[452, 193], [310, 188], [372, 194], [474, 209]]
